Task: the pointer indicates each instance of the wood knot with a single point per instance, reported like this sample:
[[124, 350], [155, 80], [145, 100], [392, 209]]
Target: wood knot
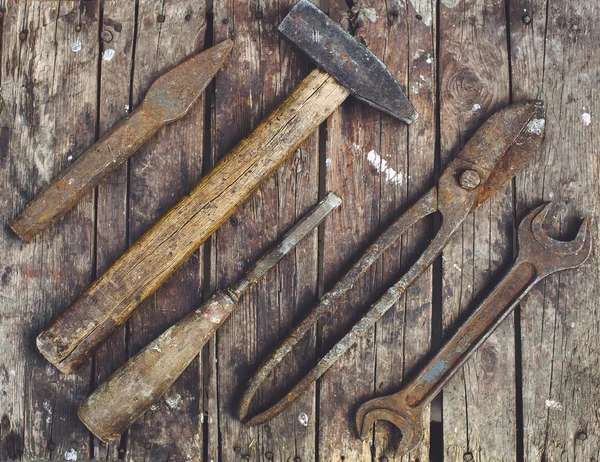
[[466, 86]]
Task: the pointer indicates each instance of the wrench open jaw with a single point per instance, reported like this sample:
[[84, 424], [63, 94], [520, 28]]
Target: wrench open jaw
[[539, 256]]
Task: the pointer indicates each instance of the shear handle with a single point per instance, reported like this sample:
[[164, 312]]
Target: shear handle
[[425, 206]]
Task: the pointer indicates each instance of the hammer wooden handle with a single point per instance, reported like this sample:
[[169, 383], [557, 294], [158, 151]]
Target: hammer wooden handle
[[109, 302], [85, 173], [130, 391]]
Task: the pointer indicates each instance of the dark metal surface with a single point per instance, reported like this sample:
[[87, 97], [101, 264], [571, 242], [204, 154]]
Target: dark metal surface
[[539, 256], [498, 150], [345, 58]]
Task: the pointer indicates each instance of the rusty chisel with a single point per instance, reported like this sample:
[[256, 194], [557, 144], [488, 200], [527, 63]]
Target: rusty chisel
[[169, 98], [111, 300]]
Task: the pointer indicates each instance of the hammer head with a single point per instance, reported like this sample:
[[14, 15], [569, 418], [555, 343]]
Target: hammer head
[[346, 59]]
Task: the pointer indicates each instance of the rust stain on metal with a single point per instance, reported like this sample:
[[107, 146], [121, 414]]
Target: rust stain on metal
[[169, 98], [539, 256], [497, 151]]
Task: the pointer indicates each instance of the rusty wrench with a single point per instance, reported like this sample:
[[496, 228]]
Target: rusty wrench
[[539, 256]]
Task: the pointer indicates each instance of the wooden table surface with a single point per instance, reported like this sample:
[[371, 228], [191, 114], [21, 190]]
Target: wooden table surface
[[530, 393]]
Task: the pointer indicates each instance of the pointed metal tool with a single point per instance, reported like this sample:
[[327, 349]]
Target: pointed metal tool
[[169, 98]]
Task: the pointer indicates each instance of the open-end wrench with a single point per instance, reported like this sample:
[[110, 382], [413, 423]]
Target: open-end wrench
[[539, 256]]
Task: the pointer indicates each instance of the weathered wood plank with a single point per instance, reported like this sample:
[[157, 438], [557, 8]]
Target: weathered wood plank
[[263, 69], [479, 402], [118, 19], [165, 169], [556, 58], [369, 165], [48, 117]]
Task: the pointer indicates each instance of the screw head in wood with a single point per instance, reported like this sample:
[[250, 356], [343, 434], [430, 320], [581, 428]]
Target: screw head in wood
[[383, 459], [5, 421], [269, 455], [527, 19], [160, 18], [297, 459], [51, 446], [148, 445], [574, 27], [468, 457], [581, 436], [469, 179], [23, 35], [78, 28], [106, 36]]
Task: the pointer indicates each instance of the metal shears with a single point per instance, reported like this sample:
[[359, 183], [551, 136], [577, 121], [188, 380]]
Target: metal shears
[[501, 147]]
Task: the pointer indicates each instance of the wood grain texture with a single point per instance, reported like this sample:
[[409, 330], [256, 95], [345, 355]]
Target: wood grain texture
[[111, 215], [556, 58], [369, 164], [479, 413], [262, 71], [48, 117], [163, 171]]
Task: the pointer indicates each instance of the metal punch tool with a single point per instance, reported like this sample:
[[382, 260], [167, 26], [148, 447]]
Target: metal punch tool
[[501, 147]]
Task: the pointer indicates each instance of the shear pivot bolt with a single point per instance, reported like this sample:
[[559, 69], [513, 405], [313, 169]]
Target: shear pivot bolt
[[469, 179], [106, 36]]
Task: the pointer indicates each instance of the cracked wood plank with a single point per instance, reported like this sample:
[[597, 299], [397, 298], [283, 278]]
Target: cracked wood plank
[[111, 216], [379, 167], [263, 70], [479, 404], [48, 117], [556, 58], [163, 171]]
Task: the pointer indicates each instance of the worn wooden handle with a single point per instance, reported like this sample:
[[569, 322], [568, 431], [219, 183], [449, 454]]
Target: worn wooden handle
[[109, 302], [85, 173], [140, 382]]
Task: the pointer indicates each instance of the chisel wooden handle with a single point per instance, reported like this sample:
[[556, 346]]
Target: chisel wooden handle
[[130, 391], [169, 98], [109, 302]]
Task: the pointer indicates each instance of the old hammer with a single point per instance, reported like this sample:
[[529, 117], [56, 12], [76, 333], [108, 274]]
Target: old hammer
[[110, 301]]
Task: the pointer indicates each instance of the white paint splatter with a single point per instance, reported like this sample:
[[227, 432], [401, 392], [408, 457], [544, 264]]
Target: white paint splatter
[[173, 401], [70, 158], [71, 454], [552, 404], [450, 4], [536, 126], [328, 162], [370, 13], [204, 417], [423, 9], [381, 166], [303, 418], [76, 48], [572, 324], [108, 54], [127, 109], [429, 59], [457, 267], [476, 107], [71, 181], [422, 77], [156, 347], [587, 118]]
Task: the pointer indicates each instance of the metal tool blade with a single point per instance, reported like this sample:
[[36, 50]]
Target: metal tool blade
[[346, 59], [172, 95]]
